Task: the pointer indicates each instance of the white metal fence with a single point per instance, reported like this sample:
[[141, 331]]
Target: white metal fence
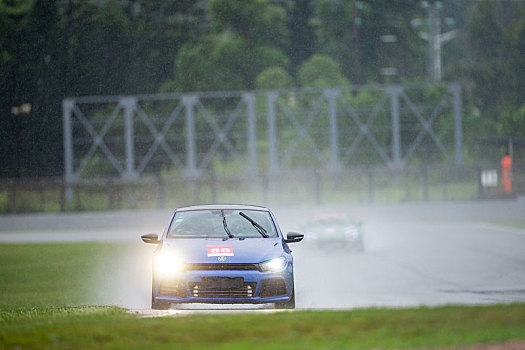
[[254, 132]]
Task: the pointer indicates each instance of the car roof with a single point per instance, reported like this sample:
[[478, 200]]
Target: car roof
[[223, 206]]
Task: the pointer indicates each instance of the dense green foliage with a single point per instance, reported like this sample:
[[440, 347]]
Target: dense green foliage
[[52, 49], [321, 71]]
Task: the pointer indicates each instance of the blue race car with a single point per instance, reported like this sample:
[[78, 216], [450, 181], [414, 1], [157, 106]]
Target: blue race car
[[222, 254]]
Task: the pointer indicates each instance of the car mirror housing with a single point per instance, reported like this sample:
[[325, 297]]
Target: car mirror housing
[[152, 238], [294, 237]]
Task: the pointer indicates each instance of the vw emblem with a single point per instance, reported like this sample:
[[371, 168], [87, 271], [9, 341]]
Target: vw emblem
[[221, 258]]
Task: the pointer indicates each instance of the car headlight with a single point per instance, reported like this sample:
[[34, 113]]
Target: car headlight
[[167, 264], [273, 265]]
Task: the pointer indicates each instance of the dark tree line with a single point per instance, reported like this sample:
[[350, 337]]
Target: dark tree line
[[52, 49]]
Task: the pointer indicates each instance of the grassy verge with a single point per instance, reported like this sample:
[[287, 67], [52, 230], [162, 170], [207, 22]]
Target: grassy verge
[[44, 288], [57, 274], [109, 327], [518, 224]]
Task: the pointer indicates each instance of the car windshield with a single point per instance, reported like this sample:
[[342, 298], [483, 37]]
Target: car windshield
[[221, 223]]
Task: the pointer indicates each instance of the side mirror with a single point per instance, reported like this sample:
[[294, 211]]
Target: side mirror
[[294, 237], [150, 238]]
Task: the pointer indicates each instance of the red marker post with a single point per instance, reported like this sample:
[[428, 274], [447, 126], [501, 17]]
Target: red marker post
[[506, 165]]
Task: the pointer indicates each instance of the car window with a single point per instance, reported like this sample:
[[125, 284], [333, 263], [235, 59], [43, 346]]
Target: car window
[[209, 223]]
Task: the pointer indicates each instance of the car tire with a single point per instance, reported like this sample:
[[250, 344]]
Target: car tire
[[290, 304], [159, 305]]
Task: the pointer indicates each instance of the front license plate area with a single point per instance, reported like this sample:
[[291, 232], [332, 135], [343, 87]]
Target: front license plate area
[[222, 283]]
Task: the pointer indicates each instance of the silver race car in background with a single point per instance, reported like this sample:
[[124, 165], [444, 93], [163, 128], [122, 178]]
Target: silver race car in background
[[335, 230]]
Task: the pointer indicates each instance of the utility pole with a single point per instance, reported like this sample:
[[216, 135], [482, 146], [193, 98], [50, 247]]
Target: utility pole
[[435, 38], [356, 23], [386, 67]]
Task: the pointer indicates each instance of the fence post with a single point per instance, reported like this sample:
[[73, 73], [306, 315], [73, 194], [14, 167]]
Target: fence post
[[370, 185], [480, 186], [458, 131], [191, 163], [252, 132], [406, 182], [42, 193], [129, 104], [62, 189], [318, 184], [213, 186], [445, 183], [67, 109], [425, 183], [12, 197], [331, 95], [272, 141], [78, 203], [265, 185], [111, 195], [161, 199], [394, 92], [272, 137]]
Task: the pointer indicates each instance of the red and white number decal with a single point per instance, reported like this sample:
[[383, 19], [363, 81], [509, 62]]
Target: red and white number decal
[[220, 250]]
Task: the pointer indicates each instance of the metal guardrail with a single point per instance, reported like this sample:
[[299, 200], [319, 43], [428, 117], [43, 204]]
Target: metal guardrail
[[14, 198], [359, 185]]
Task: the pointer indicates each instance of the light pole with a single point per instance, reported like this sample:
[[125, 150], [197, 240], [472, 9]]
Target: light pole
[[386, 67], [434, 37], [357, 5]]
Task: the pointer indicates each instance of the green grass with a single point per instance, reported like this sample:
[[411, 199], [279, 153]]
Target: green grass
[[57, 274], [45, 293], [519, 224], [110, 327]]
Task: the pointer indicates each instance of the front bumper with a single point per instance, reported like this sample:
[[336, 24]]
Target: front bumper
[[251, 287]]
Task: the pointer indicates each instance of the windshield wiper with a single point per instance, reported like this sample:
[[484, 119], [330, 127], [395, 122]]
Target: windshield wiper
[[225, 225], [259, 228]]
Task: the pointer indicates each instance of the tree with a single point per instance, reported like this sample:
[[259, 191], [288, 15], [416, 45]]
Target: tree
[[245, 41], [13, 85], [515, 46], [196, 70], [46, 132], [243, 59], [301, 43], [98, 44], [321, 71], [30, 93], [513, 123], [334, 32], [257, 21], [159, 30], [485, 33], [350, 32], [497, 49], [274, 78]]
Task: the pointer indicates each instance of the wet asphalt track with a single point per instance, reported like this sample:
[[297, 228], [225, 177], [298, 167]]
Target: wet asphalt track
[[415, 254]]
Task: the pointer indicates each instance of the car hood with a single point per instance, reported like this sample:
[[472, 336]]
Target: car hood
[[248, 250]]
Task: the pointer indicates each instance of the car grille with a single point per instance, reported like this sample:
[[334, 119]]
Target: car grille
[[200, 290], [173, 288], [222, 266], [273, 287]]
